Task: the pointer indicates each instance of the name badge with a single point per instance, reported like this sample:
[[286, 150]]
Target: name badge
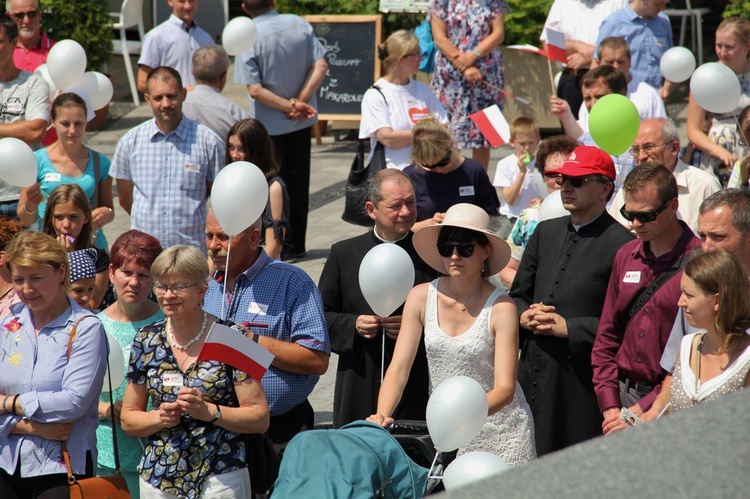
[[633, 276], [466, 190], [257, 308], [14, 107], [172, 379], [52, 177], [193, 168]]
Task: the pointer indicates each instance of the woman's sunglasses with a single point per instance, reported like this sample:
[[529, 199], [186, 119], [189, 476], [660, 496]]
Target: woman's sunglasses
[[464, 250], [442, 162], [643, 216]]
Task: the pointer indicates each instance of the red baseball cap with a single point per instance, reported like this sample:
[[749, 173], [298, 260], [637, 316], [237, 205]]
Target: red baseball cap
[[586, 160]]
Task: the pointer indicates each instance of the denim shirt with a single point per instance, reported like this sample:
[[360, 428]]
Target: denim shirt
[[52, 388]]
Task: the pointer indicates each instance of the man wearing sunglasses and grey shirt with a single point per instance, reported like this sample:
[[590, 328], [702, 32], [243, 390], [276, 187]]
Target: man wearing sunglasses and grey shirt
[[559, 290], [642, 296]]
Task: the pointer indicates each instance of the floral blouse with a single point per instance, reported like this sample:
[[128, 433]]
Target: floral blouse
[[177, 460]]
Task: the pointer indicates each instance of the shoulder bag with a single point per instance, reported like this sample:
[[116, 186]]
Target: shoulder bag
[[359, 181]]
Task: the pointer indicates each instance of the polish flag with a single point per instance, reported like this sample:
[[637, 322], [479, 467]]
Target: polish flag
[[556, 46], [528, 48], [493, 125], [230, 346]]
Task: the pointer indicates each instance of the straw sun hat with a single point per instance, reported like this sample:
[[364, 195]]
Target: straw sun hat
[[467, 216]]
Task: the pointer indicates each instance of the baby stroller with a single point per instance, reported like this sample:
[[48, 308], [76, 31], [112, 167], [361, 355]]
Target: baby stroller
[[361, 459]]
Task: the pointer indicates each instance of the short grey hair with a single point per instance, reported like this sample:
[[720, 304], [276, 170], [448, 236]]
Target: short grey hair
[[210, 63], [668, 130], [374, 191], [8, 3], [737, 200]]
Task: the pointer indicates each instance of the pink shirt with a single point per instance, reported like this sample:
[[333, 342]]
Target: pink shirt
[[32, 59]]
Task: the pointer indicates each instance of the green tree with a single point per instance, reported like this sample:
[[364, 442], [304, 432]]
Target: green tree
[[737, 8]]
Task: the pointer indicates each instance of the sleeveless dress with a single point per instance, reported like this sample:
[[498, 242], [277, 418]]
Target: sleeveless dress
[[509, 433], [683, 383]]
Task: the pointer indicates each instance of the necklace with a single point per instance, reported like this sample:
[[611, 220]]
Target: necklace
[[173, 342]]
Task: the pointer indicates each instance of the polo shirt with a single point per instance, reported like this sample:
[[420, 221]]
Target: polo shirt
[[29, 60], [635, 352], [206, 105]]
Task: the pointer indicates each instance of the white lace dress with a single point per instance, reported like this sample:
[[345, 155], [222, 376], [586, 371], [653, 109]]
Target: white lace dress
[[509, 433]]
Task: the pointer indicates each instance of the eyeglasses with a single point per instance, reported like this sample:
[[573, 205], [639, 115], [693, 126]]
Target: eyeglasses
[[439, 164], [465, 250], [644, 216], [575, 182], [177, 289], [32, 14], [646, 148]]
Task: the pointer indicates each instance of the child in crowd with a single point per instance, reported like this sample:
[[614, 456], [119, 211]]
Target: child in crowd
[[515, 174], [739, 175], [82, 275]]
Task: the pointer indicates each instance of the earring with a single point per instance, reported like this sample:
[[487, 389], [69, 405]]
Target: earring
[[484, 267]]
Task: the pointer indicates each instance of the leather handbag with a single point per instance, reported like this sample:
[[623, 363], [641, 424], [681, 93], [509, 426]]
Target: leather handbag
[[358, 182], [100, 487]]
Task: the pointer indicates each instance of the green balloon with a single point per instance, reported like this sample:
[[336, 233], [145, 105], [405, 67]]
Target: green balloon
[[614, 123]]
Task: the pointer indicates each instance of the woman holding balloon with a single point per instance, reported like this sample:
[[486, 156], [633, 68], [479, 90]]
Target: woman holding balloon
[[130, 272], [708, 101], [470, 329], [69, 161]]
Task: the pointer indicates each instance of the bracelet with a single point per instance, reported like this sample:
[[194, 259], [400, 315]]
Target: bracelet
[[15, 398], [477, 53], [26, 210]]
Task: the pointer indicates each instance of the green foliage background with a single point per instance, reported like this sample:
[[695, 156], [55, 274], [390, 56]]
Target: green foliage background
[[737, 8]]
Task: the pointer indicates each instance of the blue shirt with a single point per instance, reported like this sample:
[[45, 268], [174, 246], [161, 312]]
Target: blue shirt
[[648, 40], [170, 175], [280, 60], [52, 388], [284, 297]]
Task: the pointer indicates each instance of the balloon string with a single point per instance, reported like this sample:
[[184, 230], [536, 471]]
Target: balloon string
[[739, 128], [382, 356], [432, 467], [226, 272]]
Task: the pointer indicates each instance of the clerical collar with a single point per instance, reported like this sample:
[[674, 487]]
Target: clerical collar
[[374, 231], [579, 227]]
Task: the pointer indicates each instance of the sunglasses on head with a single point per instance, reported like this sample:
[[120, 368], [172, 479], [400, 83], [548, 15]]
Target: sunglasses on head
[[20, 15], [644, 216], [575, 182], [442, 162], [464, 249]]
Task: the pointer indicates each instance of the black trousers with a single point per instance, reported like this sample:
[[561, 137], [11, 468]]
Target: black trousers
[[293, 153], [285, 426], [569, 89], [53, 486]]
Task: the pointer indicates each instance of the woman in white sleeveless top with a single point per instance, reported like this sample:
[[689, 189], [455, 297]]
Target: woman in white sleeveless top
[[470, 329], [714, 362]]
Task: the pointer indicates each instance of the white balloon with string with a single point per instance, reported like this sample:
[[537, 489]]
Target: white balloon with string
[[115, 365], [66, 63], [239, 35]]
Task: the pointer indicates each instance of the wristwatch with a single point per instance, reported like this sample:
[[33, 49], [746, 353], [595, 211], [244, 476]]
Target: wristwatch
[[217, 414], [477, 53]]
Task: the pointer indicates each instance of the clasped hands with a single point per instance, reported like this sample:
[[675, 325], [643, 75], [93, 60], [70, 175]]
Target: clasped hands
[[189, 401], [301, 110], [367, 326], [542, 319]]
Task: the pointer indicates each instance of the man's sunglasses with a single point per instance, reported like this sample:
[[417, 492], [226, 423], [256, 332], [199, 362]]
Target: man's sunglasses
[[644, 216], [575, 182], [442, 162], [465, 250], [32, 14]]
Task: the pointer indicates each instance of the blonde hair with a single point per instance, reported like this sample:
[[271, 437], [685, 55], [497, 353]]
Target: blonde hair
[[431, 141], [737, 26], [397, 46], [522, 124], [36, 250], [181, 261]]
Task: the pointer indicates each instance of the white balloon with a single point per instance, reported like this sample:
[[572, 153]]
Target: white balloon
[[238, 196], [75, 89], [42, 71], [97, 87], [456, 412], [552, 207], [116, 368], [17, 162], [386, 275], [473, 467], [239, 35], [66, 63], [715, 88], [677, 64]]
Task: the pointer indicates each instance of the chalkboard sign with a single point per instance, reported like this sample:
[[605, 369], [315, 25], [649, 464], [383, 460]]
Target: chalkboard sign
[[350, 43]]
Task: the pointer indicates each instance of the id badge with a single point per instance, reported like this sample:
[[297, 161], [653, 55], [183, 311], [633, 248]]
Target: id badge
[[172, 379]]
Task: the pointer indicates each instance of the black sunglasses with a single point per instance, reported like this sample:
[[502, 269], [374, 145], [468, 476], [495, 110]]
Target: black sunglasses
[[442, 162], [31, 13], [644, 216], [465, 250], [575, 182]]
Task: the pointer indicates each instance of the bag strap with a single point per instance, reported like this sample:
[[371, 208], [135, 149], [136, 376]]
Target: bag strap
[[97, 176], [647, 293], [66, 457], [112, 404], [361, 147]]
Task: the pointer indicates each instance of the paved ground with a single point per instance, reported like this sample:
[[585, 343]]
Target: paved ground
[[330, 164]]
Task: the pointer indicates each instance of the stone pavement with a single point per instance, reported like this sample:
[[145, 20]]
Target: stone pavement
[[330, 165]]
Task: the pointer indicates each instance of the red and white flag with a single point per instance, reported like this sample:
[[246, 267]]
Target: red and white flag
[[493, 125], [528, 48], [556, 46], [230, 346]]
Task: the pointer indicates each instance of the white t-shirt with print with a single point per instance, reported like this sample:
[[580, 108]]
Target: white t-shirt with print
[[505, 176]]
